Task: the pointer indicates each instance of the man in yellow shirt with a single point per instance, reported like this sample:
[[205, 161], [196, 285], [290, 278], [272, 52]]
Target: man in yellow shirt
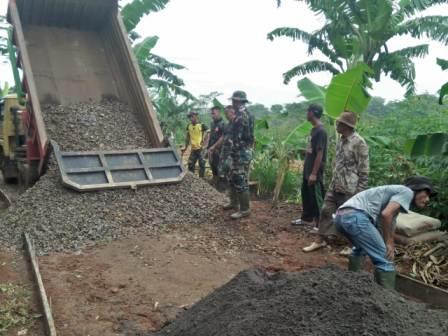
[[195, 138]]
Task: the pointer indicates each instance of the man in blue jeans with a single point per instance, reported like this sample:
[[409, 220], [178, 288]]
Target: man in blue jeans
[[368, 221]]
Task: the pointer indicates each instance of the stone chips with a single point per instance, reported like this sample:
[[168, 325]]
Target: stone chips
[[59, 219]]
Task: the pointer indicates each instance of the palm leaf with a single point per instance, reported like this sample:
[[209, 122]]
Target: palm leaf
[[149, 70], [307, 68], [415, 51], [443, 63], [434, 27], [411, 7], [165, 63], [293, 33], [159, 84], [143, 49], [317, 41], [399, 67], [133, 12], [312, 92], [348, 91]]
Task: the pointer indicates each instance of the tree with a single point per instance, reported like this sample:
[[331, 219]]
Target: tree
[[3, 36], [359, 31], [444, 89], [156, 70], [277, 108], [259, 111]]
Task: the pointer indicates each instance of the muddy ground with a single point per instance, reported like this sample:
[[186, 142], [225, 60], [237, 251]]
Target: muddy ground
[[137, 284]]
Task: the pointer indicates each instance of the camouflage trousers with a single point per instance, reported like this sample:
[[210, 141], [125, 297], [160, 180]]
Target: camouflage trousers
[[333, 200], [239, 179], [195, 156]]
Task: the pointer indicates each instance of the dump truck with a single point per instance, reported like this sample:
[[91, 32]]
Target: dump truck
[[74, 51]]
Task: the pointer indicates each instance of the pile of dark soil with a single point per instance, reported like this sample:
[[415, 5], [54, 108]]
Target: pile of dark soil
[[61, 219], [319, 302]]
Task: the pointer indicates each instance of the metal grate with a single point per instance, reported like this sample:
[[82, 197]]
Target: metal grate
[[98, 170]]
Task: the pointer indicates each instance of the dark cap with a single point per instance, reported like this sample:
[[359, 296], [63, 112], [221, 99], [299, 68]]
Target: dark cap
[[419, 183], [192, 113], [316, 109], [240, 96]]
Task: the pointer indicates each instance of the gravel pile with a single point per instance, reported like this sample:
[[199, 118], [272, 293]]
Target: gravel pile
[[60, 219], [320, 302]]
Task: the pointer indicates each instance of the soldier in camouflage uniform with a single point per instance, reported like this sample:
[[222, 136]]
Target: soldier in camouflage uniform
[[224, 145], [350, 176], [242, 138], [216, 132]]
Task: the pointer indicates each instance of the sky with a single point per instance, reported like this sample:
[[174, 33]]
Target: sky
[[223, 44]]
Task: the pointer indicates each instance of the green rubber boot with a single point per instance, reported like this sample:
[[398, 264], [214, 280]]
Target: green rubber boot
[[233, 204], [244, 200], [355, 263], [385, 279]]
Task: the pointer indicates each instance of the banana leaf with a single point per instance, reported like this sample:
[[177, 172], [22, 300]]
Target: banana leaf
[[348, 91]]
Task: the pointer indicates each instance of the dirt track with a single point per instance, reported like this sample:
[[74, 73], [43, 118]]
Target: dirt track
[[135, 285]]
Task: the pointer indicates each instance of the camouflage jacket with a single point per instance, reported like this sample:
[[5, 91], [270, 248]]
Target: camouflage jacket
[[226, 147], [240, 132], [216, 131], [351, 165]]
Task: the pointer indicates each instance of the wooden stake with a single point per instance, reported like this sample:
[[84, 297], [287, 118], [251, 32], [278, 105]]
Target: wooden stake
[[49, 322]]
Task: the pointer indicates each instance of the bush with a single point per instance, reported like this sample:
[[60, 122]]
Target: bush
[[264, 170]]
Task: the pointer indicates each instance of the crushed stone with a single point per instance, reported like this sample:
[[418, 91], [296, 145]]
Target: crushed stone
[[59, 219]]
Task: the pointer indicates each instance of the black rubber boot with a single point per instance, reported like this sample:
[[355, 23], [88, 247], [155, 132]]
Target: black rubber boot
[[385, 279], [244, 200], [233, 204], [355, 263]]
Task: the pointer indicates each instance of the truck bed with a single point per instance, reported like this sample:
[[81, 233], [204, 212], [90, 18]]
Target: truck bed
[[77, 50]]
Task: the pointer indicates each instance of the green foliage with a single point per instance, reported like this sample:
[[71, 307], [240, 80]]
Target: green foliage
[[134, 11], [389, 135], [277, 108], [444, 89], [5, 90], [259, 111], [348, 91], [312, 92], [157, 71], [15, 311], [264, 170], [3, 36], [430, 145], [360, 31], [308, 68], [172, 114]]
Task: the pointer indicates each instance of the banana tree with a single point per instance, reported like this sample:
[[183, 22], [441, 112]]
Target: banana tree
[[360, 31], [347, 91], [157, 71], [444, 89]]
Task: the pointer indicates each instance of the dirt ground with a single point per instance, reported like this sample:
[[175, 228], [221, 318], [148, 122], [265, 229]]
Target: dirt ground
[[135, 285]]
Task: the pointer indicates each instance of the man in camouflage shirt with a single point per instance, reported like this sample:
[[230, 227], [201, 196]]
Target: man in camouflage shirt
[[242, 139], [223, 147], [216, 132], [350, 176]]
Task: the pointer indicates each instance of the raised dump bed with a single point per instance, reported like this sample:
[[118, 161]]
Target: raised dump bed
[[74, 51]]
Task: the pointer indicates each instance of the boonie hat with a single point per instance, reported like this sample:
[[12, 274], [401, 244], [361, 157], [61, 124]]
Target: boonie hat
[[348, 118], [240, 96]]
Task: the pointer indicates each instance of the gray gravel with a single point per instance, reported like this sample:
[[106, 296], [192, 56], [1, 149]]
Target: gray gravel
[[60, 219]]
